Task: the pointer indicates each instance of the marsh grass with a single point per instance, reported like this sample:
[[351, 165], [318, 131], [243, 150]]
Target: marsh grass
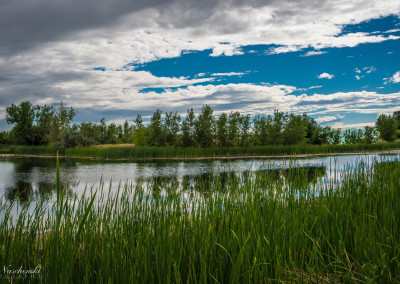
[[192, 152], [257, 229]]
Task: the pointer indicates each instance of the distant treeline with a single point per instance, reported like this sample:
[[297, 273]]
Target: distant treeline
[[45, 125]]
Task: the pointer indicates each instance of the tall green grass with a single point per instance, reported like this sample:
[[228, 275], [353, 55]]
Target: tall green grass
[[257, 229], [191, 152]]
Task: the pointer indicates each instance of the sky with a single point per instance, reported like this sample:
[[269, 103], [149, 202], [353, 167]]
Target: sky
[[337, 60]]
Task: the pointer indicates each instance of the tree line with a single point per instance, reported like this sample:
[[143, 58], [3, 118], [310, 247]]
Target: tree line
[[46, 125]]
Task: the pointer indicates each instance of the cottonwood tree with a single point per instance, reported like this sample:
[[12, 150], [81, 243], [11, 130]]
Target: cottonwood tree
[[188, 129], [295, 129], [387, 126], [171, 122], [222, 130], [156, 134], [260, 135], [244, 126], [233, 128], [140, 132], [22, 116], [204, 127]]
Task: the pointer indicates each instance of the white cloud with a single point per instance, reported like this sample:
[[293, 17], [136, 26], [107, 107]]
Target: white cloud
[[329, 118], [364, 71], [230, 74], [325, 76], [369, 69], [313, 52], [394, 79], [62, 68], [392, 31], [356, 125], [226, 49]]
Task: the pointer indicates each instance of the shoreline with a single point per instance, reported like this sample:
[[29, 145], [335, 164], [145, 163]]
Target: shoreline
[[392, 151]]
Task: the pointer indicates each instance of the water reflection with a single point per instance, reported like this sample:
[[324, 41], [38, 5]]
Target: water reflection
[[25, 178]]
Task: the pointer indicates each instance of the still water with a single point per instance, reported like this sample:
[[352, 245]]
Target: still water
[[22, 179]]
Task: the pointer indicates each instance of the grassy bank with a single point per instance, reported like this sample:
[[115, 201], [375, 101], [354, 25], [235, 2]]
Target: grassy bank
[[181, 152], [256, 230]]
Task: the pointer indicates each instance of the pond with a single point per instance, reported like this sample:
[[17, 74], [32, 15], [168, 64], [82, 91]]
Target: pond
[[29, 178]]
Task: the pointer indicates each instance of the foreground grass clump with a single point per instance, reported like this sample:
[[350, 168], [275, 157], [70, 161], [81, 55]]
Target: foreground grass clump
[[194, 152], [258, 228]]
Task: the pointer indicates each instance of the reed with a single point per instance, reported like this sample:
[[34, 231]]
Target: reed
[[192, 152], [257, 228]]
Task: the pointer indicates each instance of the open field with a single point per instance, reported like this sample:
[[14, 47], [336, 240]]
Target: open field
[[130, 153], [257, 229]]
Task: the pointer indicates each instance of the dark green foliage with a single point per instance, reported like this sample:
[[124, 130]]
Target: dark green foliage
[[22, 117], [276, 126], [260, 135], [387, 126], [204, 127], [171, 122], [156, 131], [370, 135], [222, 130], [188, 129], [335, 136], [48, 126], [61, 120], [295, 129], [140, 132], [127, 133], [6, 138], [353, 136], [233, 129], [44, 120], [244, 126]]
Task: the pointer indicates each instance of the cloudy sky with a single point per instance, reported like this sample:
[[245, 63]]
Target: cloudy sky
[[338, 60]]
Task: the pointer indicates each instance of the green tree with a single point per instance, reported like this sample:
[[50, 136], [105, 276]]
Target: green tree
[[5, 138], [44, 120], [234, 129], [244, 126], [222, 130], [260, 135], [396, 116], [204, 127], [62, 119], [156, 130], [103, 130], [91, 133], [127, 133], [312, 128], [353, 136], [295, 130], [370, 135], [335, 136], [22, 117], [321, 135], [112, 134], [171, 122], [276, 127], [188, 129], [140, 132], [387, 126]]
